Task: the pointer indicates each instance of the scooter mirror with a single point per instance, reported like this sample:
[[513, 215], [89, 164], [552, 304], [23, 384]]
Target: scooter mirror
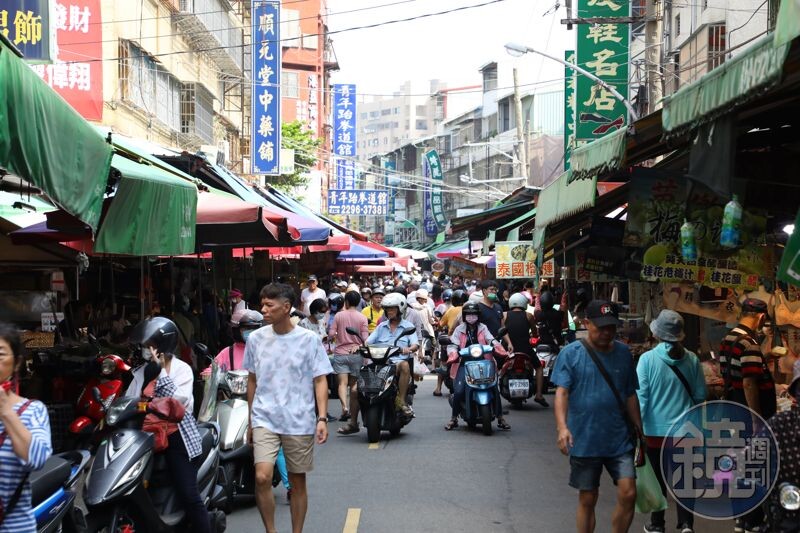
[[426, 335], [201, 349], [408, 331], [502, 332], [96, 395]]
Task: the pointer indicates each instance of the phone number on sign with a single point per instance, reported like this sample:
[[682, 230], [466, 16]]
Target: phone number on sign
[[378, 210]]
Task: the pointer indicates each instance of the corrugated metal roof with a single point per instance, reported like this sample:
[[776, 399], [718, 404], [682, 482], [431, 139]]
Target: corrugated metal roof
[[547, 115]]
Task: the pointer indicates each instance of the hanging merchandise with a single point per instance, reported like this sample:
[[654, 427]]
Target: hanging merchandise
[[786, 313], [731, 224], [688, 243]]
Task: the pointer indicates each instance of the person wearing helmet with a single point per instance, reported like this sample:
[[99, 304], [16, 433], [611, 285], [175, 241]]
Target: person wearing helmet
[[388, 331], [374, 312], [520, 325], [549, 321], [447, 301], [157, 339], [470, 331], [243, 323], [366, 297], [335, 304]]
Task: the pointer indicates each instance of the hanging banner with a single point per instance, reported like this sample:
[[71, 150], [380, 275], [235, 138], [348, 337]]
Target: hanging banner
[[569, 107], [515, 259], [345, 173], [344, 119], [359, 203], [265, 137], [603, 51], [388, 231], [789, 269], [437, 203], [26, 23], [431, 229]]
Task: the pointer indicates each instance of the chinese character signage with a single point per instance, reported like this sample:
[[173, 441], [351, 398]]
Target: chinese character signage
[[75, 73], [344, 120], [569, 107], [26, 23], [428, 222], [265, 137], [515, 259], [345, 173], [709, 272], [437, 204], [603, 51], [358, 203]]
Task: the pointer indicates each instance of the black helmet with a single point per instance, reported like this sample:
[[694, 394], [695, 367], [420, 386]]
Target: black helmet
[[159, 332], [458, 298], [546, 300], [470, 308], [335, 301], [379, 291], [447, 295]]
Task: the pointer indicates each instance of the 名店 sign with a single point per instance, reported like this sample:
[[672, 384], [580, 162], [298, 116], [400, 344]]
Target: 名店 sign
[[603, 51], [344, 120], [265, 139], [358, 203], [515, 259]]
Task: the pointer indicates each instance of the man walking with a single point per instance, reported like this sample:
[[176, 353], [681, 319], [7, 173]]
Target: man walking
[[310, 293], [347, 362], [287, 368], [592, 428]]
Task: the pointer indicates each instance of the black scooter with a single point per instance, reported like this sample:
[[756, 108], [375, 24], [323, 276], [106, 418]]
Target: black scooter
[[377, 388]]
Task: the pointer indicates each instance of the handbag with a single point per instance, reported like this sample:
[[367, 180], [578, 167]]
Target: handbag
[[163, 416], [12, 502], [633, 433]]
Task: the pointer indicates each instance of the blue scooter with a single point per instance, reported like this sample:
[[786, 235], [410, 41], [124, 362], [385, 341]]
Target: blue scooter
[[53, 490]]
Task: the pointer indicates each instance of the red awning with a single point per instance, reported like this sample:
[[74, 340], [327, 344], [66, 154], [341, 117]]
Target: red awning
[[336, 243]]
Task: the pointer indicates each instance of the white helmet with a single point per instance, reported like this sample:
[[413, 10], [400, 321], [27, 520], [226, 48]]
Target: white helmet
[[395, 299], [475, 297], [518, 301]]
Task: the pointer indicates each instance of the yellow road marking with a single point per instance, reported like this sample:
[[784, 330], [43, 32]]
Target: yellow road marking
[[374, 446], [351, 522]]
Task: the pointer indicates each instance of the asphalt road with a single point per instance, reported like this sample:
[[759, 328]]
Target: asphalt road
[[431, 480]]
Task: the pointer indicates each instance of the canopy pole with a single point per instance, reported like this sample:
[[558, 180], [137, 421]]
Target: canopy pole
[[244, 267], [141, 288], [113, 288], [199, 281]]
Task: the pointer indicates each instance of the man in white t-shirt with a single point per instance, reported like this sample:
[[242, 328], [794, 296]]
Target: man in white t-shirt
[[311, 293], [287, 368]]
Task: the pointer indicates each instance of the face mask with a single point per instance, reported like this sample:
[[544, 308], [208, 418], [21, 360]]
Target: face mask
[[319, 316], [471, 319], [492, 296], [246, 333]]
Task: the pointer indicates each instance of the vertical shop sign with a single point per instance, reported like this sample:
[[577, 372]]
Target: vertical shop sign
[[388, 229], [428, 221], [265, 139], [345, 173], [344, 120], [603, 51], [75, 73], [437, 203], [26, 23], [569, 107]]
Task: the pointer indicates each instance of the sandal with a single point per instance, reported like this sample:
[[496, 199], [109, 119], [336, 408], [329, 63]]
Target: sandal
[[502, 424], [542, 402], [345, 416], [451, 425], [349, 429], [437, 393]]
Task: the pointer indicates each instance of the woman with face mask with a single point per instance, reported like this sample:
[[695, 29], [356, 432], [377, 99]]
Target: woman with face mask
[[243, 324], [671, 381], [315, 321]]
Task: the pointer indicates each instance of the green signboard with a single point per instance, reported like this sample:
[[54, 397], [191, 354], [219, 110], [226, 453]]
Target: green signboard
[[437, 205], [569, 107], [603, 51], [789, 270]]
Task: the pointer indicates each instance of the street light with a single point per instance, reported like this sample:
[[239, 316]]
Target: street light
[[518, 50]]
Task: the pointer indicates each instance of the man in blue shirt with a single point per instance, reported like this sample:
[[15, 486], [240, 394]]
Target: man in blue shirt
[[591, 427]]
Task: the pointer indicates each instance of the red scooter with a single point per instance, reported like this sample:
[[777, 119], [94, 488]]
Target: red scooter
[[97, 396]]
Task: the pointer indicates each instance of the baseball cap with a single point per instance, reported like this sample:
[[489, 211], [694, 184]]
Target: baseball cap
[[602, 313], [754, 305], [312, 277]]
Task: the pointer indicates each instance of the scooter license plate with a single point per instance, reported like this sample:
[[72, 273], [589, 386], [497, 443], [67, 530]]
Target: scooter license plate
[[546, 371], [518, 388]]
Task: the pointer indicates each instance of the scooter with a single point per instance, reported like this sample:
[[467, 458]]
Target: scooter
[[53, 491], [128, 485], [782, 509], [547, 355], [516, 378], [377, 388], [97, 396]]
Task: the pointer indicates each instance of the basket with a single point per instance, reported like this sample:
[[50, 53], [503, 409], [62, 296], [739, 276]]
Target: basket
[[369, 381], [61, 415]]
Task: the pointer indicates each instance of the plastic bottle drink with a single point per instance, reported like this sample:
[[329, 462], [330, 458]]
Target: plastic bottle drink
[[688, 244], [731, 222]]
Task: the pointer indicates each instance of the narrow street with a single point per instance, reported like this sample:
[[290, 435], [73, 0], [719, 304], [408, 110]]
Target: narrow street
[[430, 480]]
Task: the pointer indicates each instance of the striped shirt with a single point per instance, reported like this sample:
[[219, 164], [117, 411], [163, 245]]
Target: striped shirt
[[21, 519], [740, 357]]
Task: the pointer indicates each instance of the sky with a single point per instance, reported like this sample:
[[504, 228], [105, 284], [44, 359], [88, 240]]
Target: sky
[[450, 47]]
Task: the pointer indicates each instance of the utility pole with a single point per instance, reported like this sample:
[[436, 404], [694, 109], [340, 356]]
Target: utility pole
[[522, 155], [653, 35]]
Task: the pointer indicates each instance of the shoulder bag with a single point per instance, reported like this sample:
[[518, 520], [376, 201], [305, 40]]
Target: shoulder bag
[[633, 432], [12, 502], [684, 381]]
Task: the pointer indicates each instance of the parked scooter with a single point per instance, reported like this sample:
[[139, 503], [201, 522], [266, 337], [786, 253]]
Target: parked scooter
[[377, 388], [547, 355], [783, 509], [97, 396], [128, 486], [516, 378], [53, 491]]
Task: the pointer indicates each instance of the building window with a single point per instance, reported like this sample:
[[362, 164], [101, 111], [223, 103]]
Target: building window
[[386, 141], [716, 45], [396, 111], [638, 9], [148, 86], [422, 125], [677, 25], [504, 112], [289, 85], [385, 112], [197, 112], [374, 114], [422, 111], [363, 116], [705, 5]]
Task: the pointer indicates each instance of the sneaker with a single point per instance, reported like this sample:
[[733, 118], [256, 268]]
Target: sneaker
[[756, 528], [685, 528], [738, 526], [650, 528]]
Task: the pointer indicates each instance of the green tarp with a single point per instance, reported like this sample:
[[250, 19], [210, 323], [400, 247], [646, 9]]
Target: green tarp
[[731, 84], [787, 27], [603, 155], [46, 142], [563, 198], [152, 213]]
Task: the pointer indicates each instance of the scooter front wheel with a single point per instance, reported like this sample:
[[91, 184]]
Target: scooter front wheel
[[485, 413], [372, 420]]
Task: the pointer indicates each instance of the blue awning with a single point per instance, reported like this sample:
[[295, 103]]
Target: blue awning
[[359, 251]]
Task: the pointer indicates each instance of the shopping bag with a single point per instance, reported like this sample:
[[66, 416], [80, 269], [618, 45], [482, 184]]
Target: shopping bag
[[649, 498], [420, 368]]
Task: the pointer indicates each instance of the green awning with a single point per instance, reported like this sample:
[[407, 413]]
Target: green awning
[[152, 213], [563, 198], [605, 154], [407, 224], [787, 27], [46, 142], [731, 84]]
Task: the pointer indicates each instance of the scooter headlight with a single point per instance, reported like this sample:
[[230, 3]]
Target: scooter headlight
[[116, 410], [108, 366], [237, 382], [476, 351], [133, 472], [789, 496]]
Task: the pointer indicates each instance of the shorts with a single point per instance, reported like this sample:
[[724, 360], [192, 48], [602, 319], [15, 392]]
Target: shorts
[[298, 449], [585, 471], [347, 364]]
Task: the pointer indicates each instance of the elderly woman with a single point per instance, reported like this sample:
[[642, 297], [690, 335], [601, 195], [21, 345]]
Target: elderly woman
[[24, 439], [671, 381]]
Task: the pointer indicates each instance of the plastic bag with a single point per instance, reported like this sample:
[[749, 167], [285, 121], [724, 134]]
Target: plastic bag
[[649, 498], [420, 368]]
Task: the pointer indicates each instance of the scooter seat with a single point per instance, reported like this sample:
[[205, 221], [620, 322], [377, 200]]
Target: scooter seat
[[206, 438], [47, 480]]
